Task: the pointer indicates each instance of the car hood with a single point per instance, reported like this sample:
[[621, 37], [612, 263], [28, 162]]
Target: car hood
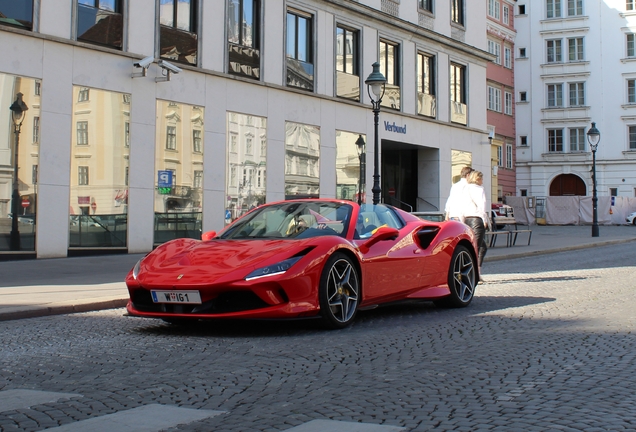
[[193, 262]]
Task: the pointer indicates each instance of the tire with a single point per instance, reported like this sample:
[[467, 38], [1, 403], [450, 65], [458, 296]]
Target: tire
[[462, 279], [339, 291]]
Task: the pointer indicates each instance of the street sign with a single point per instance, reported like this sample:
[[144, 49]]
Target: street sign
[[228, 215], [94, 206], [25, 202], [392, 191], [164, 179]]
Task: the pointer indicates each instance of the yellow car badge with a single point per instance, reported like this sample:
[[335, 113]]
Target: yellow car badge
[[179, 277]]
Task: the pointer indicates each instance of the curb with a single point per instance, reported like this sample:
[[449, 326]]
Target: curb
[[61, 309]]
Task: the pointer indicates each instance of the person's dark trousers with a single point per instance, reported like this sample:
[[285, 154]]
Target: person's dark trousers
[[477, 225]]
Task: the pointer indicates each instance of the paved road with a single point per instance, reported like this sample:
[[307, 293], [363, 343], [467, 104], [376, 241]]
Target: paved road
[[546, 345]]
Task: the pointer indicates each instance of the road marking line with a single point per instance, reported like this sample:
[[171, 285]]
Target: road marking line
[[340, 426], [147, 418], [22, 398]]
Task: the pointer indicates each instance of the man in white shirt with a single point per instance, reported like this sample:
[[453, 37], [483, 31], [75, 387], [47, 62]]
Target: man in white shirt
[[453, 208]]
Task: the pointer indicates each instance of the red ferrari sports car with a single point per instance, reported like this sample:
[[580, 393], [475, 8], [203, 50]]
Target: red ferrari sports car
[[306, 258]]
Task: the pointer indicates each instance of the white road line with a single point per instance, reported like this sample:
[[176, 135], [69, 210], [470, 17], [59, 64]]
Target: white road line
[[148, 418], [340, 426], [21, 398]]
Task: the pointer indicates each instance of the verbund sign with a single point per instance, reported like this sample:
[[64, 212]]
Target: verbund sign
[[392, 127]]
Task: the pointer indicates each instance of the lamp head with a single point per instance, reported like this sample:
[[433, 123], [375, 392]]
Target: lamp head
[[376, 82], [593, 136], [360, 145], [18, 107]]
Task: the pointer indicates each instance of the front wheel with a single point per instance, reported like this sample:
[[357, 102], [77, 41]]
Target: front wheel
[[339, 291], [462, 279]]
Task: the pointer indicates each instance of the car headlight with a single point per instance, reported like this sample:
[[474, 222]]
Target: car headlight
[[274, 269], [136, 269]]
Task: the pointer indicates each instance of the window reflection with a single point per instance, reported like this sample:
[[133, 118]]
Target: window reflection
[[247, 164], [302, 161], [178, 30], [17, 13], [99, 166], [100, 22], [25, 206], [348, 161], [244, 38], [348, 80], [459, 160], [179, 171]]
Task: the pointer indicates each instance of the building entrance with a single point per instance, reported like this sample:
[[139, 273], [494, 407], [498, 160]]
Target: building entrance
[[399, 175], [567, 184]]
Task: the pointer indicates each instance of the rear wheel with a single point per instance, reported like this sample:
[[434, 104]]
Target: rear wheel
[[462, 279], [339, 291]]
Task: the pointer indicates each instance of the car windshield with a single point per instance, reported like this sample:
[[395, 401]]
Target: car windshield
[[292, 220]]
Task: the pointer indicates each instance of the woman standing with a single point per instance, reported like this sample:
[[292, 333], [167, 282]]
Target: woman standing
[[474, 211]]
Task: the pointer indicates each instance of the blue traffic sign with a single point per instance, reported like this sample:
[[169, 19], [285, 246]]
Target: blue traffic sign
[[164, 179]]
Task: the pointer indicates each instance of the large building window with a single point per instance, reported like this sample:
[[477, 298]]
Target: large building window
[[631, 51], [17, 13], [577, 94], [178, 199], [245, 185], [554, 54], [575, 49], [494, 48], [494, 99], [555, 140], [390, 68], [575, 7], [243, 28], [302, 161], [508, 103], [82, 133], [553, 8], [178, 30], [100, 22], [299, 51], [347, 63], [494, 8], [26, 159], [98, 190], [427, 5], [577, 139], [631, 91], [348, 164], [555, 95], [426, 101], [458, 93], [457, 11], [632, 137]]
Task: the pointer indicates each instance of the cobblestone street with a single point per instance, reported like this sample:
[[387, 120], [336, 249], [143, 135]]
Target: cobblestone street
[[547, 344]]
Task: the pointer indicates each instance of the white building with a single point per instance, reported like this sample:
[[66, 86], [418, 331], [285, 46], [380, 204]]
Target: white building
[[575, 64], [258, 101]]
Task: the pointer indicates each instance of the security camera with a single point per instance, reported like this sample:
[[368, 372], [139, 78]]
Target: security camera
[[144, 63], [168, 66]]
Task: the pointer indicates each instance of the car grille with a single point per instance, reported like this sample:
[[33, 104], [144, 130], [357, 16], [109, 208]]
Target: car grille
[[234, 301]]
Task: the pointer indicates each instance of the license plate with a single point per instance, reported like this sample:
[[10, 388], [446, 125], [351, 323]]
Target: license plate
[[192, 297]]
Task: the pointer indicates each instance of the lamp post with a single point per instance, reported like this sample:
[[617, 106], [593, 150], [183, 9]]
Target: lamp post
[[18, 107], [375, 88], [594, 136], [362, 155]]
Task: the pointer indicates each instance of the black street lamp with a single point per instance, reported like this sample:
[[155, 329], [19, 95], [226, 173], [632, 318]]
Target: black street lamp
[[18, 107], [375, 87], [594, 136], [362, 155]]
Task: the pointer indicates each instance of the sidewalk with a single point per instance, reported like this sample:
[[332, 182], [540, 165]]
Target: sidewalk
[[33, 288]]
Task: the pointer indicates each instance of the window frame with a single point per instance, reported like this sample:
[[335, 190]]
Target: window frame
[[457, 12], [83, 175], [494, 48], [631, 91], [554, 53], [81, 127], [576, 49], [426, 5], [631, 137], [554, 136], [631, 44], [171, 137], [577, 94], [556, 90], [577, 139], [494, 99], [238, 37], [508, 103], [494, 9], [507, 63], [577, 6], [509, 156], [458, 86], [308, 43], [553, 9]]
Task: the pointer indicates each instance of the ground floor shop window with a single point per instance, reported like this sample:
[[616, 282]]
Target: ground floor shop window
[[19, 154], [302, 161], [350, 158], [246, 153], [99, 165], [179, 171]]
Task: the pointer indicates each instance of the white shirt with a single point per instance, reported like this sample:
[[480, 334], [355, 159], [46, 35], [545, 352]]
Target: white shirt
[[474, 203], [455, 197]]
